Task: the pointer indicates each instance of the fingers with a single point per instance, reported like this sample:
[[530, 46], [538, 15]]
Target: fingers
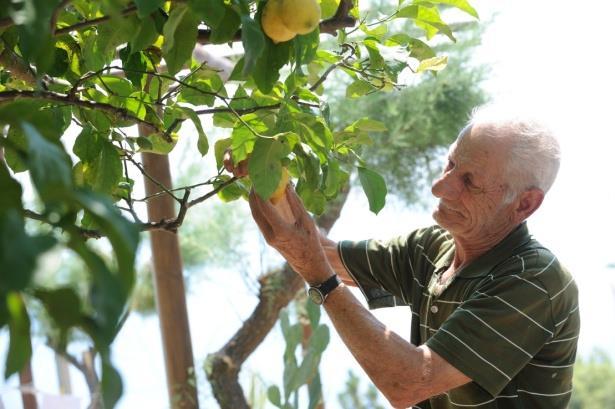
[[296, 206], [259, 218], [238, 170]]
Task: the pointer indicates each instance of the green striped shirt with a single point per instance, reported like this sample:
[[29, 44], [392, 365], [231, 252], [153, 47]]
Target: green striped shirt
[[509, 320]]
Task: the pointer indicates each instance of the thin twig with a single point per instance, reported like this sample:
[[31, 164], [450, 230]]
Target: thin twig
[[213, 192], [152, 179], [94, 22], [56, 13]]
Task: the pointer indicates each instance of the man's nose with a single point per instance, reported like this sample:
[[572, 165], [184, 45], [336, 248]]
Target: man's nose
[[446, 186]]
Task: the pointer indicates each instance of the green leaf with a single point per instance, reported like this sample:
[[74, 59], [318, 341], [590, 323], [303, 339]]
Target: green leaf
[[62, 304], [87, 144], [135, 66], [358, 89], [101, 163], [20, 346], [202, 144], [11, 191], [15, 157], [34, 30], [147, 7], [137, 102], [273, 393], [369, 125], [253, 42], [111, 383], [427, 18], [240, 188], [420, 50], [145, 34], [375, 58], [265, 166], [107, 296], [49, 165], [160, 144], [212, 12], [220, 147], [202, 89], [242, 143], [433, 64], [374, 187], [105, 171], [226, 28], [462, 5], [123, 235], [60, 63], [180, 33], [328, 8], [306, 47], [266, 71], [313, 199], [18, 251]]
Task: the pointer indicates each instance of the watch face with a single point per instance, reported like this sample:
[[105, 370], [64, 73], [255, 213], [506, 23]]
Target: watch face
[[315, 296]]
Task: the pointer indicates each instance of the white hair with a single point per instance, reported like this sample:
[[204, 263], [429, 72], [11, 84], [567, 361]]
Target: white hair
[[534, 155]]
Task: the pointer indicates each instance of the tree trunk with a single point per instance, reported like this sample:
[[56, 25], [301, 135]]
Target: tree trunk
[[169, 286], [26, 381]]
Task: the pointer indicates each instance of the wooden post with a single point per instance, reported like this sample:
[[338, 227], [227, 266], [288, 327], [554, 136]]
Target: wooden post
[[169, 286], [63, 375], [28, 397]]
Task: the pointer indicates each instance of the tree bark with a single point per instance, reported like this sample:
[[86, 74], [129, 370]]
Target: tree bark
[[277, 289], [169, 286]]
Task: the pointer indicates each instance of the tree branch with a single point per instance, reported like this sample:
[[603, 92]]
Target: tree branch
[[121, 113], [341, 19]]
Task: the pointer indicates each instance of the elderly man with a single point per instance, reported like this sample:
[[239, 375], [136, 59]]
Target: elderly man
[[495, 316]]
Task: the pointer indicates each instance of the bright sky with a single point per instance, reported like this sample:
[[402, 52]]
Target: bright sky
[[552, 55]]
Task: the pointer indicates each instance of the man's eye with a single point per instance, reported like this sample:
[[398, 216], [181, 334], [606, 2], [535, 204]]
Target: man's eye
[[449, 165], [467, 179]]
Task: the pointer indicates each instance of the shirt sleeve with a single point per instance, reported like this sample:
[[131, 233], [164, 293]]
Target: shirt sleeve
[[388, 271], [497, 330]]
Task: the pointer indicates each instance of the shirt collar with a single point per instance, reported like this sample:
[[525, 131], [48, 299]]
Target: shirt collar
[[484, 264]]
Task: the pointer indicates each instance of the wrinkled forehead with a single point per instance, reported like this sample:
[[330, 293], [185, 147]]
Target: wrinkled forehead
[[481, 145]]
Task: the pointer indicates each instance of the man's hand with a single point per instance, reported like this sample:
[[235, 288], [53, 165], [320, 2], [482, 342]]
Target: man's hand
[[239, 170], [298, 242]]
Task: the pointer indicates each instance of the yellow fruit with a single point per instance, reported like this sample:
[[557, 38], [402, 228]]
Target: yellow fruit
[[300, 16], [278, 193], [271, 21]]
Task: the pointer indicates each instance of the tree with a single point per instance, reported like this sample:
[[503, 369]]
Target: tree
[[594, 380], [119, 75]]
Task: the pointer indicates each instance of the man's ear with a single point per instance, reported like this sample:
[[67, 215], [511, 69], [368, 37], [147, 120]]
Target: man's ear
[[528, 202]]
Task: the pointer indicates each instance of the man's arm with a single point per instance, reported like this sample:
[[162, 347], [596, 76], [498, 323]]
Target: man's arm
[[405, 374], [333, 256]]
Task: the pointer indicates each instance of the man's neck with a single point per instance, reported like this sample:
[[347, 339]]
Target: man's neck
[[468, 250]]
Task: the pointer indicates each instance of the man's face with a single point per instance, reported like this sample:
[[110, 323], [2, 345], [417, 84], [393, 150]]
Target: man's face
[[472, 188]]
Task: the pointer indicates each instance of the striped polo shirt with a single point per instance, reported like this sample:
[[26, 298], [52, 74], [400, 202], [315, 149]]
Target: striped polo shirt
[[509, 320]]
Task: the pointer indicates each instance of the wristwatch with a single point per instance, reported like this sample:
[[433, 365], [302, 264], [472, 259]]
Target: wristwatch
[[318, 293]]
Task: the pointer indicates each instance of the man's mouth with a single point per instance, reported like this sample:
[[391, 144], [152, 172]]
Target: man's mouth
[[442, 206]]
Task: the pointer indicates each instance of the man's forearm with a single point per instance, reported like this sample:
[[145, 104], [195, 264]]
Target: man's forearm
[[399, 370]]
